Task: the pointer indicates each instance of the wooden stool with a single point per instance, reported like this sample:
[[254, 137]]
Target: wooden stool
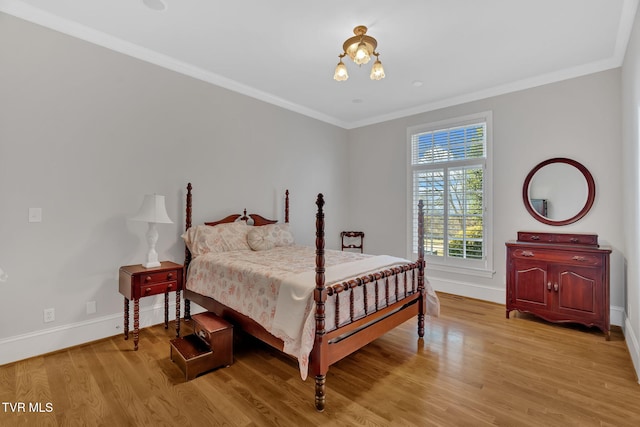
[[209, 347]]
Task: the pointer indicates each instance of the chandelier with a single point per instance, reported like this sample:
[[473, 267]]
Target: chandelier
[[360, 48]]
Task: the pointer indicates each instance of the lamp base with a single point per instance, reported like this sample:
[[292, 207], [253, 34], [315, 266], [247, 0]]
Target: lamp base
[[151, 264], [152, 238]]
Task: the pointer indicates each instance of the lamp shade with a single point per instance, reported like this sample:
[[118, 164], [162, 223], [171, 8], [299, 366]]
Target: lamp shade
[[341, 72], [153, 210], [377, 72]]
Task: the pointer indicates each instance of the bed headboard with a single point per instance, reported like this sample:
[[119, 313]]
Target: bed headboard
[[256, 220]]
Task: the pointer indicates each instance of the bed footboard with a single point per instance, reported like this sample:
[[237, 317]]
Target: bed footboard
[[400, 304]]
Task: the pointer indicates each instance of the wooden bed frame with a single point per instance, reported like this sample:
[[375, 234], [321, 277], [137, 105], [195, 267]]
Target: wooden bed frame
[[331, 346]]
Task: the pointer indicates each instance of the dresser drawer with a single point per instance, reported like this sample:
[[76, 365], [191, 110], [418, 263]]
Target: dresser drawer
[[558, 238], [563, 257], [525, 236], [578, 239]]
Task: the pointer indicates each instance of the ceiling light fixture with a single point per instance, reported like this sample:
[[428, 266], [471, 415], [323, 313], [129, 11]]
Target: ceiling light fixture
[[360, 48]]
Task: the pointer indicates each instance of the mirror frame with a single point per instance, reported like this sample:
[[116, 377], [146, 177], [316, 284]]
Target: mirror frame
[[591, 191]]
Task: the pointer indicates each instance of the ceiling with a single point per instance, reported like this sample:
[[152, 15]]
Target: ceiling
[[436, 53]]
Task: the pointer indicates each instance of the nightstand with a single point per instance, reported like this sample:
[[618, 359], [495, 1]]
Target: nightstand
[[138, 282]]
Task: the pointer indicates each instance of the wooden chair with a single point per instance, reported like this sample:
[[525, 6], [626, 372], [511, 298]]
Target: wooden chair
[[353, 235]]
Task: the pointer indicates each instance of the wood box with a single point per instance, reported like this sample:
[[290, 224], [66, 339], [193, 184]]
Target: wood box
[[217, 333], [210, 347]]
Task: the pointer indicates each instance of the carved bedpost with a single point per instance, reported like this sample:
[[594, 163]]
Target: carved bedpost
[[421, 266], [187, 253], [286, 206], [244, 216], [320, 297]]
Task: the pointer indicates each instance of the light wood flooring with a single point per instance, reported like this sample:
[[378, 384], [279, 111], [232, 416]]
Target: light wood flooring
[[473, 367]]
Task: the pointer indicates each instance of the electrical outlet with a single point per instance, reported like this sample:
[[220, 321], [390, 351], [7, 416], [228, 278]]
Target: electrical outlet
[[35, 214], [49, 315], [91, 307]]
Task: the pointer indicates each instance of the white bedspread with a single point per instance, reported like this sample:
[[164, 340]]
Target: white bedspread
[[275, 288], [295, 289]]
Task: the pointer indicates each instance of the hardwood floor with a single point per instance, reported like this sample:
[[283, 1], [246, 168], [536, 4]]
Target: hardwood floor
[[474, 367]]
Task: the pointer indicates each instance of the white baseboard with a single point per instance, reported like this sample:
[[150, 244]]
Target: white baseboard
[[632, 345], [44, 341], [617, 316], [469, 290]]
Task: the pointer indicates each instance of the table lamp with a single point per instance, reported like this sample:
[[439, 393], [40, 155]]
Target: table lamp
[[154, 212]]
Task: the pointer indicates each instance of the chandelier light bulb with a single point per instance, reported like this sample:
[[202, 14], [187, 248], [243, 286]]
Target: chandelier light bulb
[[341, 72], [362, 54], [377, 72]]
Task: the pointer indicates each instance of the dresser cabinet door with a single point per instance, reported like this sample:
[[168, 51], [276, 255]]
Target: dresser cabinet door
[[579, 295], [530, 285]]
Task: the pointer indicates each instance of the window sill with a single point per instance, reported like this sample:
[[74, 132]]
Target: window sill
[[469, 271]]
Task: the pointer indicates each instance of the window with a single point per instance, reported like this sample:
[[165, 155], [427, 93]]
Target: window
[[449, 171]]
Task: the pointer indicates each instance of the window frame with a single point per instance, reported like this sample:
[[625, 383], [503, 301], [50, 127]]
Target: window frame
[[483, 267]]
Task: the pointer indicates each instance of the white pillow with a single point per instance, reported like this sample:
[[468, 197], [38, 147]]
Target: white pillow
[[203, 239], [259, 240], [279, 233]]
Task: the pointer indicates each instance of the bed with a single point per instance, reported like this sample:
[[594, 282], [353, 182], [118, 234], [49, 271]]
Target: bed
[[314, 304]]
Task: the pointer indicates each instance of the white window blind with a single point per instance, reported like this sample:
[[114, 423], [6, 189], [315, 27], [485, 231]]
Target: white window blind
[[448, 174]]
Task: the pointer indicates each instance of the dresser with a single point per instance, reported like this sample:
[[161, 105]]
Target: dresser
[[560, 277]]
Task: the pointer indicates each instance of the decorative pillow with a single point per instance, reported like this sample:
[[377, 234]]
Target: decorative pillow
[[259, 240], [279, 233], [203, 239]]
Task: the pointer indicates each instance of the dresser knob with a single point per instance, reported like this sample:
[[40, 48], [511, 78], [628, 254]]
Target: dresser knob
[[147, 279], [146, 291], [170, 276], [170, 286]]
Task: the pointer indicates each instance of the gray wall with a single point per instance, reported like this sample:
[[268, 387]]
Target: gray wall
[[86, 132], [631, 189], [577, 118]]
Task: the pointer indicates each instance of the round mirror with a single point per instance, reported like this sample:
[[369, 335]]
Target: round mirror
[[559, 191]]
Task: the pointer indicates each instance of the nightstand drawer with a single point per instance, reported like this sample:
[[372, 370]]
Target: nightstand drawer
[[160, 288], [163, 276]]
